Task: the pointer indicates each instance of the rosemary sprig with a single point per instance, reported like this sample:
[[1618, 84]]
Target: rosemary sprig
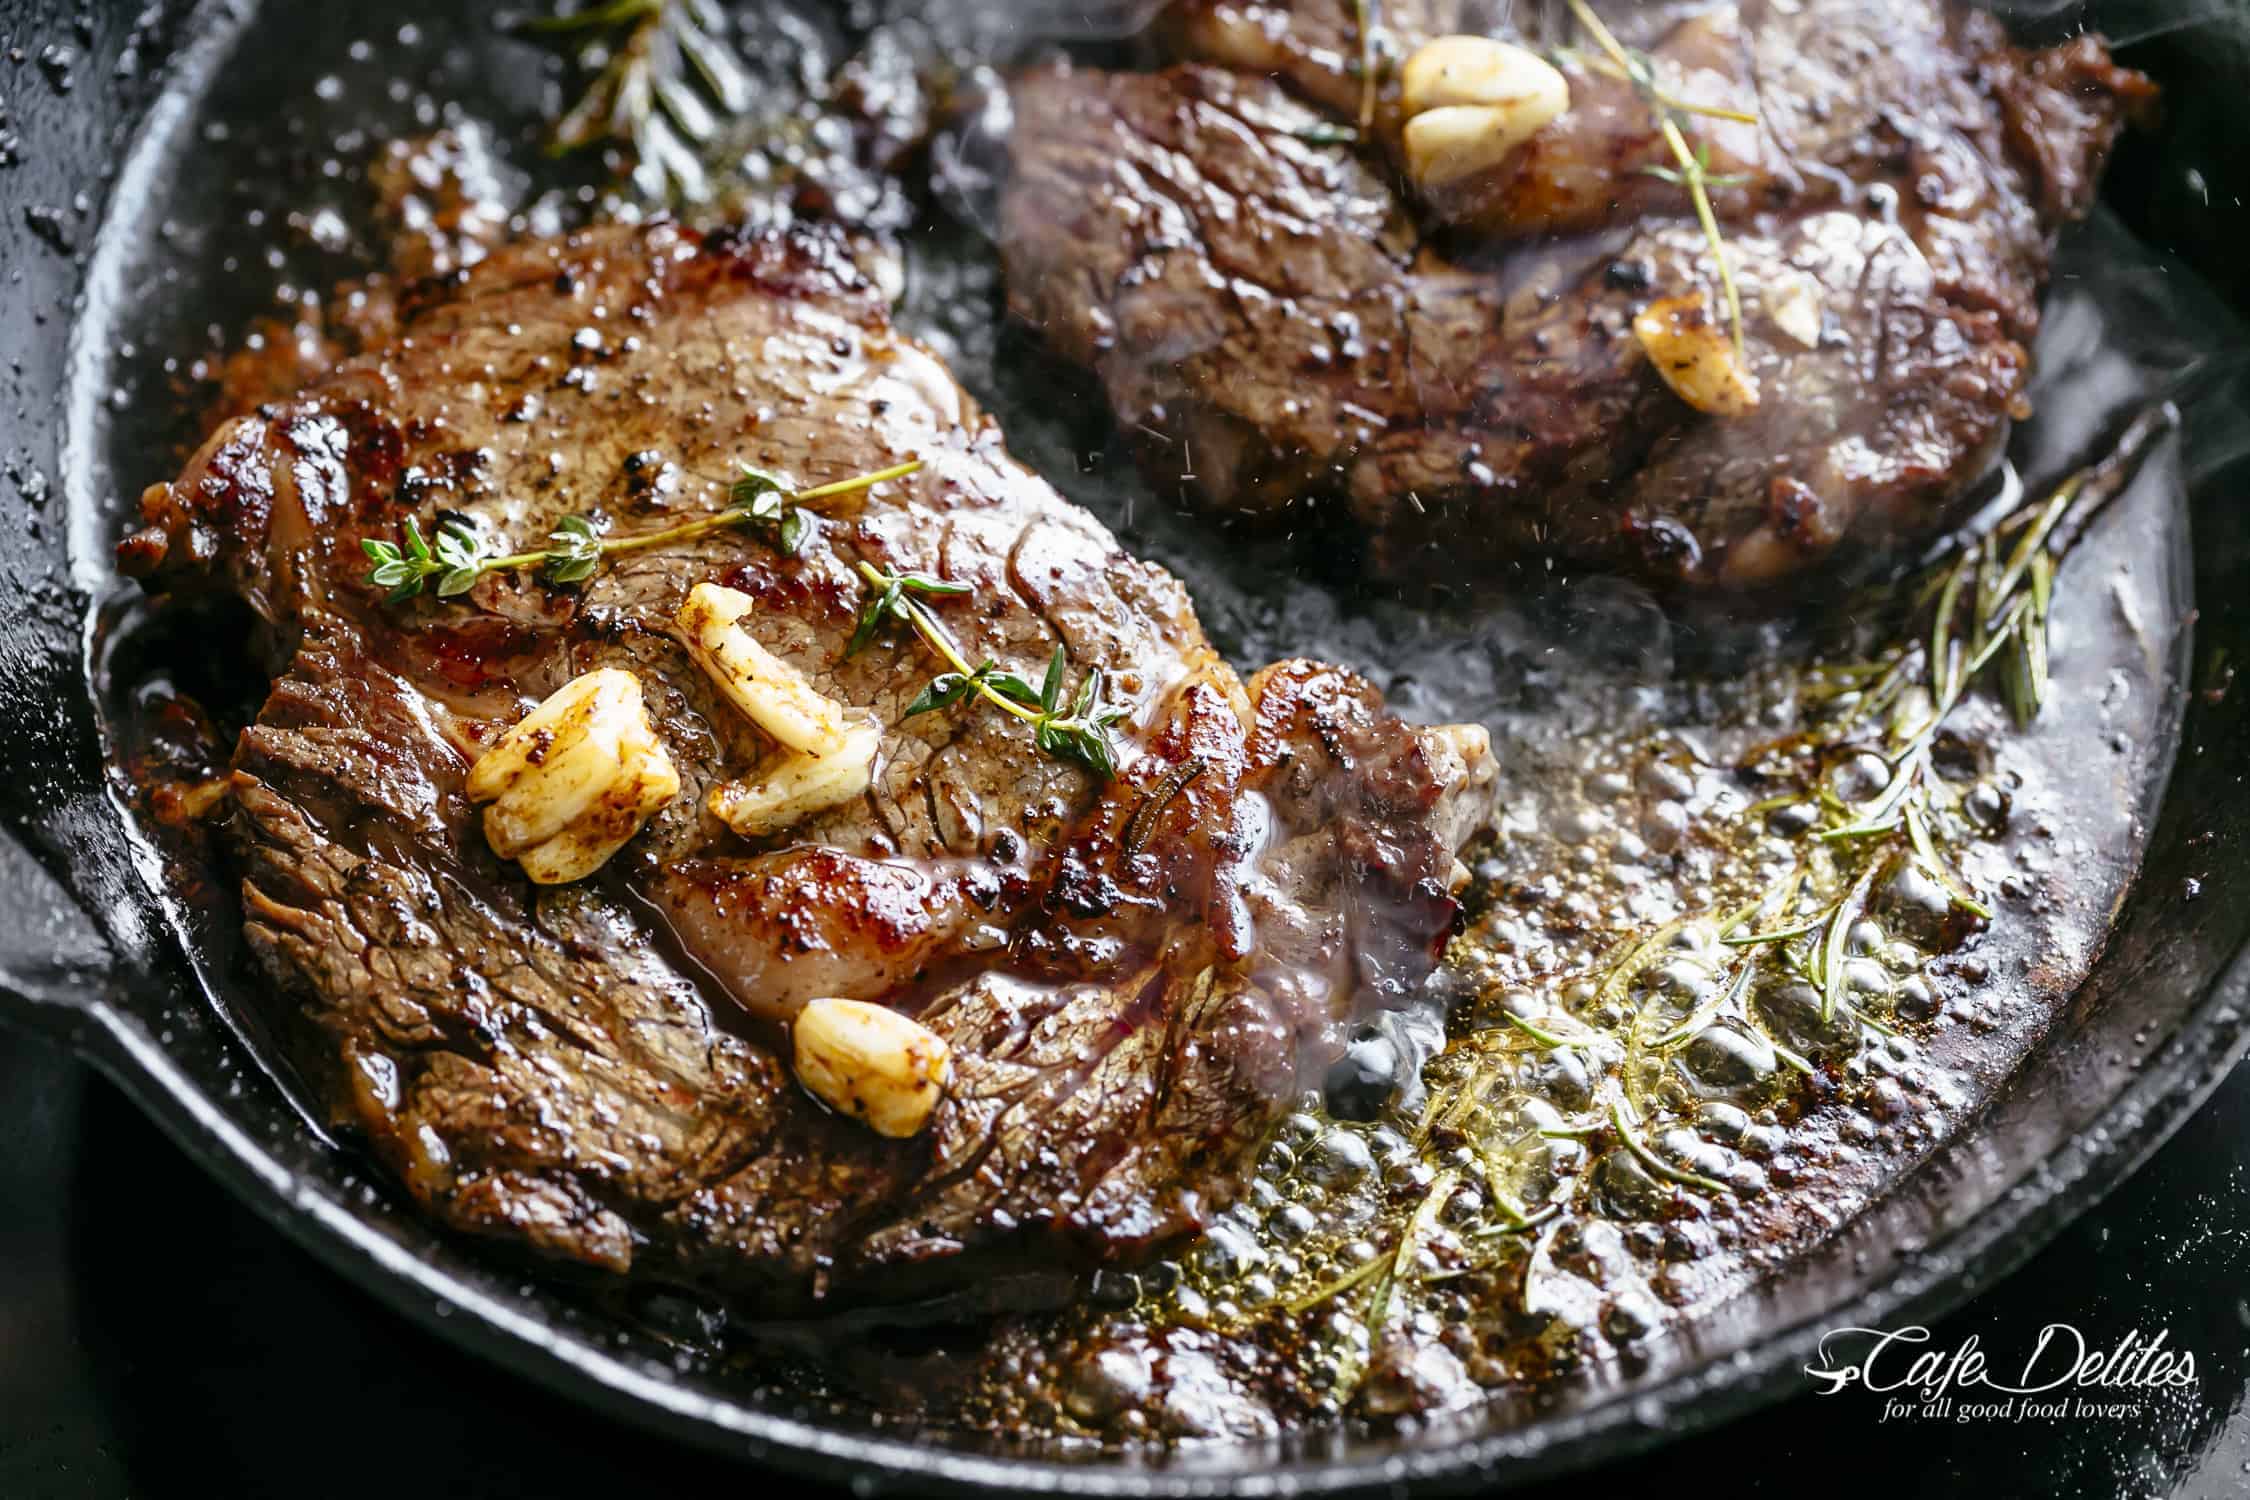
[[1622, 1121], [1728, 998], [1779, 934], [1918, 833], [1779, 895], [1840, 920], [1691, 168], [576, 547], [1978, 612], [1636, 961], [1080, 731], [1987, 613], [642, 94], [1418, 1230], [1540, 1034], [1389, 1274]]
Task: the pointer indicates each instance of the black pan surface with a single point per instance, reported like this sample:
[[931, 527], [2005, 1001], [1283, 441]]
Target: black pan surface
[[101, 129]]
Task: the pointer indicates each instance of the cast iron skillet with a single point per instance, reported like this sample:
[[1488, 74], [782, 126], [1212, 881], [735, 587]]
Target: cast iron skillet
[[94, 950]]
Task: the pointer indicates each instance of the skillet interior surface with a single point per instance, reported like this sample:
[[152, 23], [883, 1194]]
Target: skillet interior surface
[[2152, 1029]]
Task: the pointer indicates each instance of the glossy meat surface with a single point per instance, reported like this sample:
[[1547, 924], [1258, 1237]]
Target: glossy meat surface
[[1133, 976], [1299, 335]]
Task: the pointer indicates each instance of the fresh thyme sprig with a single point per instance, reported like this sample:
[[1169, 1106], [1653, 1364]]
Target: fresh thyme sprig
[[757, 501], [892, 600], [455, 562], [1081, 732], [1691, 165], [642, 94]]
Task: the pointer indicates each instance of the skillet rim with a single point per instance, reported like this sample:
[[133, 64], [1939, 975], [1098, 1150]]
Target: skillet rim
[[2212, 1033]]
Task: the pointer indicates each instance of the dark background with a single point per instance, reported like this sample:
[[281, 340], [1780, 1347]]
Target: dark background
[[157, 1339]]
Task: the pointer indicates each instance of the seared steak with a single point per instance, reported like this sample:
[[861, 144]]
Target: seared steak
[[1286, 324], [1133, 975]]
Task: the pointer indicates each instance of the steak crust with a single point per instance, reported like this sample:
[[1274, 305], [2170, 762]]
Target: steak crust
[[1133, 976]]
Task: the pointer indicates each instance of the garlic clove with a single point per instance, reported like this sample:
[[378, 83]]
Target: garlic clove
[[1471, 103], [575, 779], [647, 781], [1450, 70], [1446, 146], [565, 858], [793, 787], [585, 699], [1793, 304], [774, 695], [1695, 356], [871, 1063], [575, 771]]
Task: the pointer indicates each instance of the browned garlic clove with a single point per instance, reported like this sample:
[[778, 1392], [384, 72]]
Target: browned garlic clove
[[1695, 356], [1470, 102], [773, 694], [827, 751], [871, 1063], [574, 779], [794, 786]]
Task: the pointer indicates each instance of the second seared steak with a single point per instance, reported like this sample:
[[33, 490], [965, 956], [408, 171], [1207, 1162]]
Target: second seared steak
[[1298, 336], [1133, 975]]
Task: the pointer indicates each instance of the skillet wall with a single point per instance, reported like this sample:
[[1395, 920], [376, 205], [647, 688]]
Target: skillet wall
[[74, 84], [2146, 1038]]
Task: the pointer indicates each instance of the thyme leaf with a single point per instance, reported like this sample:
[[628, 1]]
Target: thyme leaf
[[1080, 730], [574, 550], [455, 562], [890, 601]]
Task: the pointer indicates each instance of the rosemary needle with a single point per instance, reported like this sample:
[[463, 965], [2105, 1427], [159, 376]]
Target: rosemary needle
[[663, 83]]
